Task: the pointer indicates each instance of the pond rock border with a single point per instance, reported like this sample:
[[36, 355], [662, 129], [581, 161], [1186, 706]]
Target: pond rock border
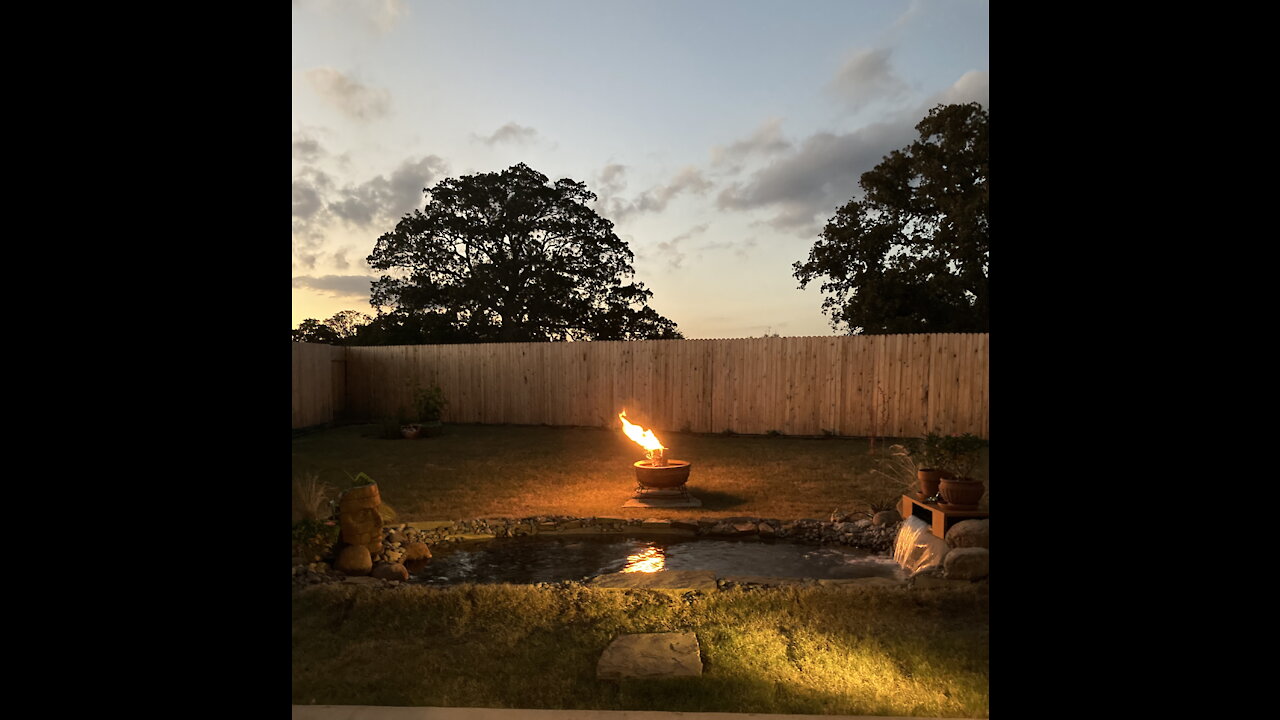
[[407, 541]]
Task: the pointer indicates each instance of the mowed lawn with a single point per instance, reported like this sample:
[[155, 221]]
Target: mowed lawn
[[518, 471], [871, 651]]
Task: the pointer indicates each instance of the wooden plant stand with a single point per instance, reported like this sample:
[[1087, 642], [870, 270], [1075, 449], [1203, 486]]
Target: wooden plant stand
[[938, 519]]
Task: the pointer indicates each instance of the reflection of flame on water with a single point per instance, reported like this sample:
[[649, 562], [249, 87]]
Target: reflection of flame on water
[[647, 560]]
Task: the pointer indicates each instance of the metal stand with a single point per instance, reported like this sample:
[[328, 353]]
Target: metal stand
[[662, 497]]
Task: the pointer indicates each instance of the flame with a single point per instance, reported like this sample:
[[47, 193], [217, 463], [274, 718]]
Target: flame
[[644, 438]]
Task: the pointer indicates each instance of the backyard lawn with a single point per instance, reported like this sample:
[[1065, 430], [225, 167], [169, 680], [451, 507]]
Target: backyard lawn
[[869, 651], [520, 471], [864, 650]]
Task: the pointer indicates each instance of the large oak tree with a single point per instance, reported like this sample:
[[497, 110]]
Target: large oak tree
[[912, 255], [511, 257]]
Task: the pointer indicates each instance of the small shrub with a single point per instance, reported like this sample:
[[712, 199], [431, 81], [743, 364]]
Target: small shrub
[[774, 433], [311, 499], [312, 538], [728, 432]]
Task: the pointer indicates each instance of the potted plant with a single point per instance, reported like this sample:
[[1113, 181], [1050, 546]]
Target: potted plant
[[929, 463], [409, 430], [429, 403], [960, 455]]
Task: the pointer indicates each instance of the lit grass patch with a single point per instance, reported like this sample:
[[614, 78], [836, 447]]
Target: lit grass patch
[[874, 651], [508, 470]]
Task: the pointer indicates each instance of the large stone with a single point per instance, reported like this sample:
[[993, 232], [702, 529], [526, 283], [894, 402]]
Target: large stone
[[416, 551], [354, 560], [650, 655], [970, 534], [886, 517], [661, 580], [391, 571], [967, 563]]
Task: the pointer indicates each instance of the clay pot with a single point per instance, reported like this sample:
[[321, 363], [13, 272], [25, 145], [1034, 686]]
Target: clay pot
[[411, 432], [962, 493], [674, 474], [929, 479]]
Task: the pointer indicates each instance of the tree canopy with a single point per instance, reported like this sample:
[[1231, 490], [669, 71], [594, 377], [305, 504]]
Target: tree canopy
[[912, 254], [344, 328], [510, 257]]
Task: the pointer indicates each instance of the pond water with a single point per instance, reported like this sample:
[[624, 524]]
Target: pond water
[[533, 560]]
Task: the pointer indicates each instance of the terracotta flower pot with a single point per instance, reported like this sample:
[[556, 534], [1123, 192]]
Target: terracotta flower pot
[[962, 493], [411, 432], [929, 479]]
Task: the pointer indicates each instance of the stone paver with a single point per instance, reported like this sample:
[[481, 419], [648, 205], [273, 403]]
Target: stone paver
[[650, 655]]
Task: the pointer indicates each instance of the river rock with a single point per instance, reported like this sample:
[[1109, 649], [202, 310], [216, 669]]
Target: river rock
[[967, 563], [394, 537], [650, 655], [391, 571], [971, 534], [886, 517], [354, 560]]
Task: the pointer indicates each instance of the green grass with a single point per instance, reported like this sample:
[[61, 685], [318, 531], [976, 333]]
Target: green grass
[[508, 470], [869, 651]]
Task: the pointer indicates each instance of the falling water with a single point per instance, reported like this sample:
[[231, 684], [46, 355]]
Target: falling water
[[916, 548]]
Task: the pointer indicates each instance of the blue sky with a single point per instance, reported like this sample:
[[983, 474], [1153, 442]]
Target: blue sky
[[720, 136]]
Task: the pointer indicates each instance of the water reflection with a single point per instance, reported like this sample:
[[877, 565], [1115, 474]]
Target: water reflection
[[649, 559]]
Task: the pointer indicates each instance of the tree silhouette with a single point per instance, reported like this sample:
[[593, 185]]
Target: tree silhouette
[[912, 254], [510, 257]]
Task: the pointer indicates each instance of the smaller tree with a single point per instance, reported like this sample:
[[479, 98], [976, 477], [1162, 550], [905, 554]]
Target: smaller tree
[[346, 324], [312, 330]]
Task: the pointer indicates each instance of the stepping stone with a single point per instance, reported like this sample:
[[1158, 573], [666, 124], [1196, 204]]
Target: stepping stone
[[650, 655], [661, 580]]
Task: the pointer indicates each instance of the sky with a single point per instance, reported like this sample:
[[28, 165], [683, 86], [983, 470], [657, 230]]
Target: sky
[[719, 135]]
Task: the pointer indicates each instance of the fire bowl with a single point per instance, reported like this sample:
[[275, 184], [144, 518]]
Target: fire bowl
[[674, 474]]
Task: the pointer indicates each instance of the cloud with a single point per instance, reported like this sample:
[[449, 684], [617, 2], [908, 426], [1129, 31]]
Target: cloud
[[510, 132], [865, 78], [385, 200], [354, 99], [671, 250], [739, 248], [384, 14], [612, 179], [306, 148], [380, 15], [766, 140], [357, 286], [656, 198], [973, 86], [822, 173]]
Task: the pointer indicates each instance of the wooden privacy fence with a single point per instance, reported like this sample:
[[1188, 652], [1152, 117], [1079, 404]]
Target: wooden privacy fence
[[319, 384], [883, 385]]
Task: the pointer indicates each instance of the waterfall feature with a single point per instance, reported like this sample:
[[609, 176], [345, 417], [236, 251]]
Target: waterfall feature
[[916, 548]]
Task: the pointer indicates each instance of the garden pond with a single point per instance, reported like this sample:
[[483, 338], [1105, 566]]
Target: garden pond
[[547, 560]]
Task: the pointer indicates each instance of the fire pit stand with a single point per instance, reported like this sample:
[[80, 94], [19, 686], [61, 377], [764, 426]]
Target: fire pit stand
[[660, 483]]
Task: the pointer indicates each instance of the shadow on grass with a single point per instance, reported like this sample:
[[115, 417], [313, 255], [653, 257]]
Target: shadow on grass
[[716, 500]]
